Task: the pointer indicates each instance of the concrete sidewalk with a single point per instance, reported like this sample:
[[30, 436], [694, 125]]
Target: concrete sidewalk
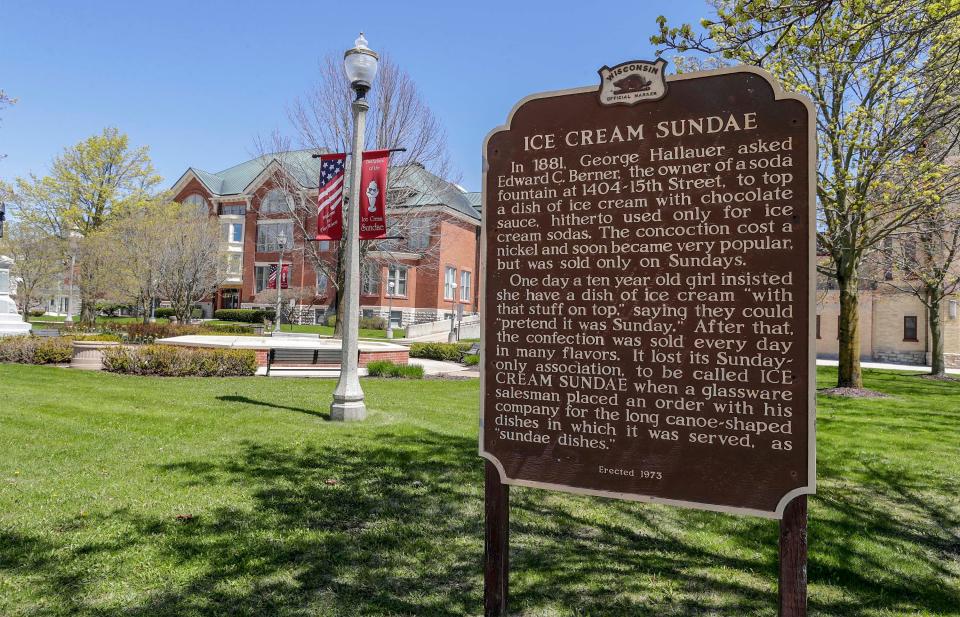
[[438, 368], [892, 367]]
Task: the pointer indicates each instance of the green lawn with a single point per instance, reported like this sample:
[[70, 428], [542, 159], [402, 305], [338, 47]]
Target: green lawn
[[326, 330], [124, 496]]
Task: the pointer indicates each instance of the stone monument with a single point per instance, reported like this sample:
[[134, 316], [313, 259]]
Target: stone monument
[[11, 323]]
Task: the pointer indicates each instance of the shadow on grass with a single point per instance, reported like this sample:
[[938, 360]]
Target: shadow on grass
[[236, 398], [395, 528]]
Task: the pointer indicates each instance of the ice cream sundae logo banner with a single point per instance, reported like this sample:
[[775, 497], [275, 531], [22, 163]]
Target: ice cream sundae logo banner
[[373, 194]]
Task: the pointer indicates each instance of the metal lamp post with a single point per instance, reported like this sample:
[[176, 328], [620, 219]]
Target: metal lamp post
[[390, 287], [360, 65], [452, 337], [281, 244], [73, 268]]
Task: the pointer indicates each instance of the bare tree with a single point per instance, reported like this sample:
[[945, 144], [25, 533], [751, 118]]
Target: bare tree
[[37, 261], [398, 118], [5, 101], [190, 266]]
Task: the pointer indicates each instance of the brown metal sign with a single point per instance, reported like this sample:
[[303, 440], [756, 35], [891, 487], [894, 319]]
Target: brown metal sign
[[648, 292]]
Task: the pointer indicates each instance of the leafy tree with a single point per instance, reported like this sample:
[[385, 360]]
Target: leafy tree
[[138, 237], [89, 183], [884, 76], [923, 259]]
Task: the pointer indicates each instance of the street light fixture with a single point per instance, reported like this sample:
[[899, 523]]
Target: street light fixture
[[452, 337], [360, 66], [281, 244], [390, 286]]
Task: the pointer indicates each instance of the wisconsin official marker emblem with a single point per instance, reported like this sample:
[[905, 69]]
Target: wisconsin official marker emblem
[[633, 82]]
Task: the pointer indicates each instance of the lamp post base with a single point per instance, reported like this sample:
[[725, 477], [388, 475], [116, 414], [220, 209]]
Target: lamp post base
[[347, 409]]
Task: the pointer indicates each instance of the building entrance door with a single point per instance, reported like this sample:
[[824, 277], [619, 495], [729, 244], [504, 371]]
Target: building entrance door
[[230, 298]]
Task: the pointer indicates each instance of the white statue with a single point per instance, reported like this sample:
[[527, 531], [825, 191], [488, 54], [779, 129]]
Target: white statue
[[11, 323], [372, 191]]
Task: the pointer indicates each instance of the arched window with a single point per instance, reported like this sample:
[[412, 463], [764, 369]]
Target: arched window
[[275, 201], [198, 202]]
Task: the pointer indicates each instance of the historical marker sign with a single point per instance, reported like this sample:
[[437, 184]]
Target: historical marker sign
[[648, 303]]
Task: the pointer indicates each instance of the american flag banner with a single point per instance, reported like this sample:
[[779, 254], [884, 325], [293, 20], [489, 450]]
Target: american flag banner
[[272, 280], [330, 199]]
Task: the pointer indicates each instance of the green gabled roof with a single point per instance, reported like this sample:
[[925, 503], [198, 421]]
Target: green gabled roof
[[475, 198]]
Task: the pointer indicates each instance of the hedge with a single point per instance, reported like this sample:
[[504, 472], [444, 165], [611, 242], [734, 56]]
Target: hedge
[[245, 315], [170, 361], [386, 368], [36, 350], [439, 351], [164, 313]]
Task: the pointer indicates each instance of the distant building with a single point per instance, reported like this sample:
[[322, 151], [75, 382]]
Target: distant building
[[893, 324], [434, 267]]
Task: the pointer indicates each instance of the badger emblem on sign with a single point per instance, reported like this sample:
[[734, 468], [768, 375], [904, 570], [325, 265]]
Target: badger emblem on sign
[[632, 82]]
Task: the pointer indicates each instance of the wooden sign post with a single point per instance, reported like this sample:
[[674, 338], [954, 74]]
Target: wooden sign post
[[648, 306]]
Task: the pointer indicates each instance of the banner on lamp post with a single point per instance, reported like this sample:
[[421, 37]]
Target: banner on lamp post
[[330, 197], [284, 276], [373, 194]]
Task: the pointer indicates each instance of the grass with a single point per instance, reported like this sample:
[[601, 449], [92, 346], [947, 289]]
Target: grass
[[135, 497], [326, 330]]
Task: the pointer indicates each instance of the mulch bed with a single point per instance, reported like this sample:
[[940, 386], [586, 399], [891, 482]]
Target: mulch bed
[[852, 393]]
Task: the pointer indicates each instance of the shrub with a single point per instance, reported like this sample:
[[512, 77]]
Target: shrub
[[149, 332], [245, 315], [104, 337], [373, 323], [36, 350], [386, 368], [37, 313], [232, 328], [170, 361], [438, 351], [472, 360], [164, 313]]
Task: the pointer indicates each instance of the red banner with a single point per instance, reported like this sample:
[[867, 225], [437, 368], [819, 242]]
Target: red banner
[[330, 197], [284, 277], [373, 194]]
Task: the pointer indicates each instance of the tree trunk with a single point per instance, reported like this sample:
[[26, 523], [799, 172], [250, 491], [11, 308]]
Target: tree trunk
[[88, 309], [848, 375], [936, 336]]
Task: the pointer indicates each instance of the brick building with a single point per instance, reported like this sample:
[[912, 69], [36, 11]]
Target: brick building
[[431, 269]]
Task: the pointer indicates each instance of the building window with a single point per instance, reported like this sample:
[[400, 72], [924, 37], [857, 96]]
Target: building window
[[418, 233], [234, 209], [232, 232], [321, 283], [818, 326], [910, 328], [276, 201], [262, 278], [267, 234], [234, 264], [396, 318], [370, 280], [449, 280], [198, 203], [398, 276], [465, 286], [324, 245]]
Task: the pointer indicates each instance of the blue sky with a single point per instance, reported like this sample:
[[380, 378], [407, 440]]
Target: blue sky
[[198, 81]]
